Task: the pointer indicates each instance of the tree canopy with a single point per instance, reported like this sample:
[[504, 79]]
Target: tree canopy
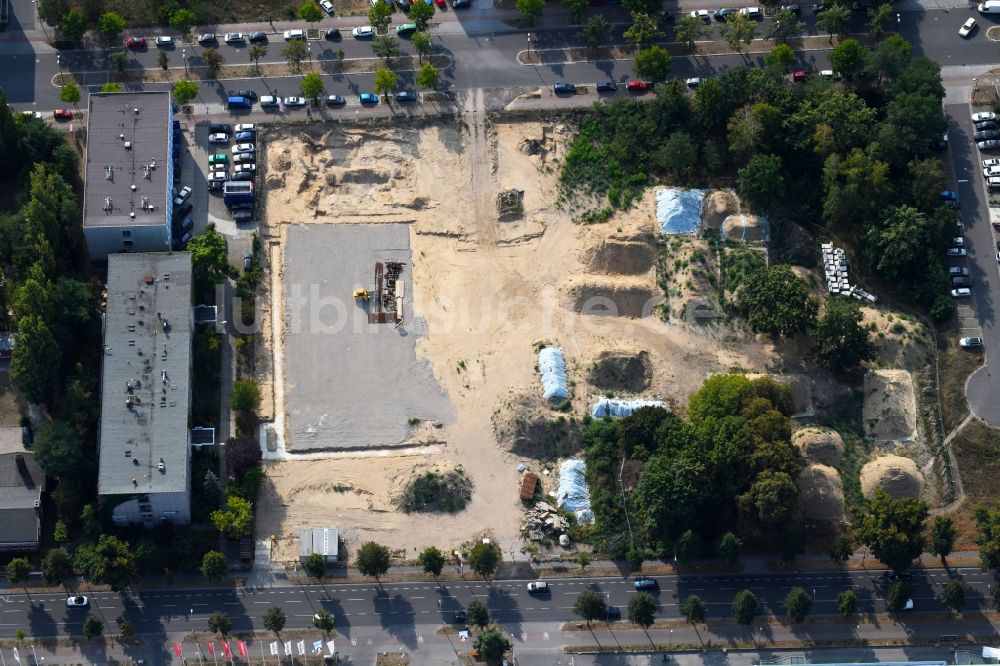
[[893, 529], [432, 560], [775, 300], [373, 559], [745, 606], [236, 519], [110, 561], [214, 565], [842, 342], [484, 558], [642, 609], [590, 605]]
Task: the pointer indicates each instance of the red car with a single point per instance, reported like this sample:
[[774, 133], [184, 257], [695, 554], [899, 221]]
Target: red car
[[62, 114], [800, 75], [135, 42], [637, 86], [440, 3]]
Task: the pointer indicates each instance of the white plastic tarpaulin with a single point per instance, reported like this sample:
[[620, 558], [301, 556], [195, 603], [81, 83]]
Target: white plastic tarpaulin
[[572, 493], [613, 407], [553, 368], [991, 653], [679, 211]]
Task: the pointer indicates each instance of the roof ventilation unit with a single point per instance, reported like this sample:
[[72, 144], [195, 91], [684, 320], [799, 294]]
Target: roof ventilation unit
[[107, 203], [128, 145]]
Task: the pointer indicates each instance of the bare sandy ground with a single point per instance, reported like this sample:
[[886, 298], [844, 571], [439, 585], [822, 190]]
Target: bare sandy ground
[[489, 291]]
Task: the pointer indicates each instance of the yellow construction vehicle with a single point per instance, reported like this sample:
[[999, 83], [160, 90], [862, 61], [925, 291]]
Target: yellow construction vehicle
[[361, 294]]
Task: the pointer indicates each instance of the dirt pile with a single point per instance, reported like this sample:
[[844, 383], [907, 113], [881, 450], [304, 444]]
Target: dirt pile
[[526, 426], [890, 410], [543, 520], [616, 257], [745, 227], [619, 370], [716, 207], [819, 445], [821, 496], [613, 298], [896, 475]]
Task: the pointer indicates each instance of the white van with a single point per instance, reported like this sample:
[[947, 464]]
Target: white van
[[989, 7]]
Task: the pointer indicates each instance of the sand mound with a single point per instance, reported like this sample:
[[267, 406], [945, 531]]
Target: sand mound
[[526, 426], [895, 475], [890, 410], [621, 371], [612, 299], [620, 257], [716, 207], [820, 494], [819, 445], [745, 227]]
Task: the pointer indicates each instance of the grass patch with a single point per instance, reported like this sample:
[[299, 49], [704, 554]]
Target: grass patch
[[979, 467], [855, 456], [736, 263], [10, 403], [434, 491], [206, 377], [954, 367]]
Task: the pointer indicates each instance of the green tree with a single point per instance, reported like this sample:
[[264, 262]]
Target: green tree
[[295, 52], [493, 644], [214, 565], [719, 396], [849, 58], [679, 153], [953, 595], [432, 560], [689, 30], [315, 565], [847, 602], [877, 16], [694, 610], [245, 396], [274, 620], [57, 449], [428, 77], [110, 87], [590, 605], [386, 82], [769, 510], [730, 547], [762, 182], [595, 31], [118, 60], [583, 559], [73, 25], [687, 546], [184, 91], [421, 13], [422, 44], [373, 559], [478, 613], [834, 20], [386, 46], [642, 609], [256, 52], [380, 15], [111, 26], [781, 58], [739, 29], [182, 20], [531, 10], [220, 623], [988, 539], [745, 606], [51, 11], [642, 31], [310, 12], [111, 561], [209, 260], [893, 529], [652, 64], [673, 490], [889, 58], [896, 243], [576, 9], [484, 558], [213, 61], [126, 630], [93, 627], [324, 621], [841, 549], [163, 59], [236, 520], [798, 603], [784, 26], [18, 572], [943, 536], [312, 86], [775, 300], [61, 532], [645, 6], [842, 341], [899, 593], [70, 93]]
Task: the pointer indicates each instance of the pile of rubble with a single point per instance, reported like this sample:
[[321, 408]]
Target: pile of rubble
[[544, 520]]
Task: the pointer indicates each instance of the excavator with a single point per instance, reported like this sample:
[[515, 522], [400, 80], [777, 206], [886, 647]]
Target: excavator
[[361, 294]]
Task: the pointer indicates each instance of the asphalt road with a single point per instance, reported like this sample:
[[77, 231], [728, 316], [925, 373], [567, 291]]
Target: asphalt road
[[396, 606]]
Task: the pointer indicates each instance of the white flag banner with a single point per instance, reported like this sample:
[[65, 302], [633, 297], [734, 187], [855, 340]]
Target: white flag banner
[[331, 647], [274, 648], [288, 648], [17, 657], [302, 648], [317, 647]]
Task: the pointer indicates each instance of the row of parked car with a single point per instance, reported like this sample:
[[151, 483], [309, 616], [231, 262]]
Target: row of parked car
[[243, 152]]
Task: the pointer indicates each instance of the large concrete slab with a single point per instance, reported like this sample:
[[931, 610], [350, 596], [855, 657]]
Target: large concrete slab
[[351, 384]]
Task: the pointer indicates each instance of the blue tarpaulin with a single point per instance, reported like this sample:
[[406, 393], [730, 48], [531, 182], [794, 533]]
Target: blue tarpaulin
[[611, 407], [553, 369], [679, 211], [572, 494]]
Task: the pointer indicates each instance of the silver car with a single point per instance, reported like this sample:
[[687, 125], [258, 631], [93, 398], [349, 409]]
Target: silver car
[[242, 148]]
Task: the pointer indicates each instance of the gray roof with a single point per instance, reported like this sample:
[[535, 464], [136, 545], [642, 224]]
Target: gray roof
[[322, 540], [21, 485], [112, 116], [145, 381], [10, 439]]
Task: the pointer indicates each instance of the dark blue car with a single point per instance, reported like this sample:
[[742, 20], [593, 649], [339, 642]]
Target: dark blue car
[[646, 584]]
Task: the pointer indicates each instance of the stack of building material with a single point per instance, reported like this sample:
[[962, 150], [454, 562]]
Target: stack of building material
[[835, 268]]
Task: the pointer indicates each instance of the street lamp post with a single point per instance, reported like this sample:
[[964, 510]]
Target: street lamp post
[[898, 19], [184, 58], [309, 50], [512, 647]]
